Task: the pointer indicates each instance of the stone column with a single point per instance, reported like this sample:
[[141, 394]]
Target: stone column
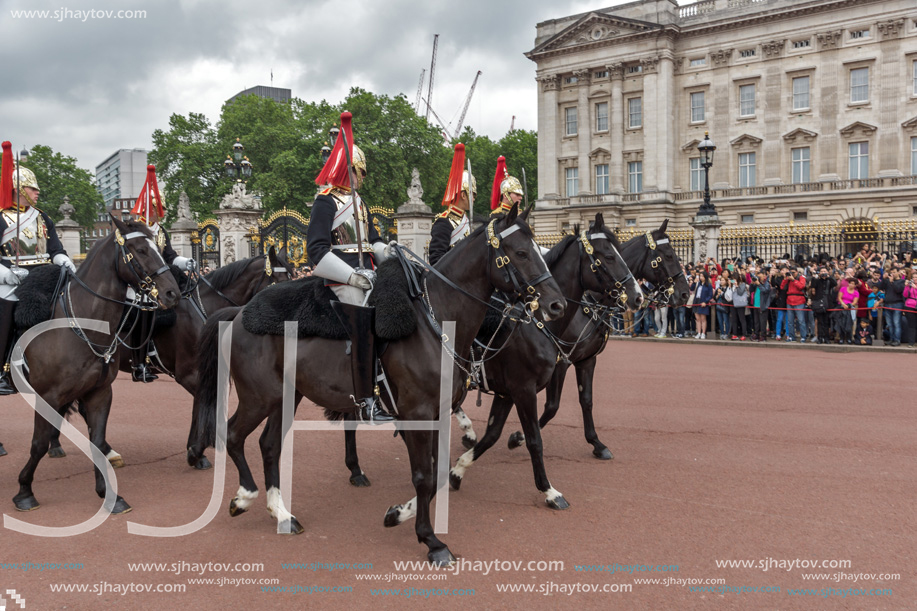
[[616, 127], [584, 131], [548, 137], [829, 85], [238, 212], [664, 158], [180, 231], [885, 90], [652, 99], [415, 219], [68, 230]]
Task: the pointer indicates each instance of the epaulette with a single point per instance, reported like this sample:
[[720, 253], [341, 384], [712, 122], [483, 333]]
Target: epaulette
[[443, 215], [325, 191]]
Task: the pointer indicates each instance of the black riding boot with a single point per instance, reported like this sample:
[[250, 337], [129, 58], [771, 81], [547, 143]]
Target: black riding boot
[[359, 324], [7, 337], [140, 367]]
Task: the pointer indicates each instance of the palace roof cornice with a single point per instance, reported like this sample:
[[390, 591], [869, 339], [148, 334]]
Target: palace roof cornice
[[731, 21]]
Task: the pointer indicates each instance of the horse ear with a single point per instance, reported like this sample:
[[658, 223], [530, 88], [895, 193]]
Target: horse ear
[[118, 223], [272, 257], [665, 224], [512, 214], [599, 220]]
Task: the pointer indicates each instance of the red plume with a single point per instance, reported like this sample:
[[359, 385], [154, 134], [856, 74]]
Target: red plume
[[454, 186], [498, 179], [335, 170], [149, 196], [6, 177]]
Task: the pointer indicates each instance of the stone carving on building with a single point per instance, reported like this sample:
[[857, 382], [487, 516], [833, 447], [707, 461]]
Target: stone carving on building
[[773, 48], [829, 40], [583, 77], [549, 82], [239, 199], [184, 207], [229, 250], [650, 64], [67, 210], [615, 70], [721, 56], [415, 191], [678, 64], [891, 28], [596, 33], [702, 245], [799, 134]]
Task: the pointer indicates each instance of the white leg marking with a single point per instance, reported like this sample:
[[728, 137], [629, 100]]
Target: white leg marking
[[464, 423], [244, 498], [407, 511], [112, 455], [275, 505], [462, 464], [551, 494]]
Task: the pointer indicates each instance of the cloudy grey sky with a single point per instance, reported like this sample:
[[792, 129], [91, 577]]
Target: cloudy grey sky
[[89, 87]]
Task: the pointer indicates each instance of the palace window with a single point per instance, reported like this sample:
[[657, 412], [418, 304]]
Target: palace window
[[570, 120], [635, 177], [859, 160], [859, 85], [601, 179], [747, 169], [747, 100], [801, 164], [698, 113], [634, 112], [801, 93], [572, 181], [601, 117]]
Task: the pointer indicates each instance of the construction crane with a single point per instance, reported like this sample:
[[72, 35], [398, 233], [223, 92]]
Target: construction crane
[[442, 124], [512, 124], [432, 68], [419, 90], [461, 121]]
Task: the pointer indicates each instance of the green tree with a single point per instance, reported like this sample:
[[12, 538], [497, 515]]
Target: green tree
[[58, 176]]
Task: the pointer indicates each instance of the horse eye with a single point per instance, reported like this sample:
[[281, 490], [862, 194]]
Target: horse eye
[[522, 254]]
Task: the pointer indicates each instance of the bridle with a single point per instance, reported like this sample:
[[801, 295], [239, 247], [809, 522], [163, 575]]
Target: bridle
[[662, 294], [619, 292], [145, 282], [525, 288]]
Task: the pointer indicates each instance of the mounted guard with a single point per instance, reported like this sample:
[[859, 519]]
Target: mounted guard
[[344, 249], [506, 191], [453, 224], [28, 240], [149, 209]]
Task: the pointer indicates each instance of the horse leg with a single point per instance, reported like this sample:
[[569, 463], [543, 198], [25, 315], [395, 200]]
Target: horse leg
[[527, 409], [499, 410], [469, 438], [240, 426], [41, 438], [357, 477], [552, 403], [423, 475], [55, 450], [195, 456], [271, 444], [95, 407], [585, 373]]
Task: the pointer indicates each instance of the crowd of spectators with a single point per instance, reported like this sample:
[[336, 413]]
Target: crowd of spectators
[[820, 299]]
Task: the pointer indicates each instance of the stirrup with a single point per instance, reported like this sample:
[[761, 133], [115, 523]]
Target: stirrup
[[142, 373], [371, 412], [6, 385]]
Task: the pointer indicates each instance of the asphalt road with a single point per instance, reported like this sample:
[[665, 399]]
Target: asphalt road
[[721, 454]]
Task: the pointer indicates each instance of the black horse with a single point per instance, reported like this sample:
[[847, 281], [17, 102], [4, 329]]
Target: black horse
[[651, 257], [177, 345], [586, 261], [500, 255], [69, 364]]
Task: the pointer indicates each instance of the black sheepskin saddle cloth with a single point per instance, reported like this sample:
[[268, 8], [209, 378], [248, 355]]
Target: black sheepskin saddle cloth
[[308, 302], [37, 296]]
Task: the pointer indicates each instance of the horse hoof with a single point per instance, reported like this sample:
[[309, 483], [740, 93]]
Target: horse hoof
[[441, 557], [558, 502], [28, 503], [2, 451], [468, 442], [57, 452], [116, 462], [455, 481], [515, 440], [235, 510], [360, 481], [203, 464], [391, 516], [603, 454], [290, 527], [120, 507]]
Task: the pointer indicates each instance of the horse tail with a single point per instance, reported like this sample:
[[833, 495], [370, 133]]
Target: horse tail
[[208, 369]]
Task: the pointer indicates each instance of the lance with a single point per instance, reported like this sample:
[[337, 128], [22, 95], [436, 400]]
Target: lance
[[470, 199], [355, 198]]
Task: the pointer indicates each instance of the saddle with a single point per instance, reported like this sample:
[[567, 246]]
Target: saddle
[[308, 302], [39, 290]]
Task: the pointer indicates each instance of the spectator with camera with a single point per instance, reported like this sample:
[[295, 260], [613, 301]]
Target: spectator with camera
[[795, 284], [763, 292], [823, 287], [893, 304]]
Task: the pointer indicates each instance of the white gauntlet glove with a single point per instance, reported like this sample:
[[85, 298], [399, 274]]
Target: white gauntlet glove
[[362, 279], [185, 264], [390, 249], [64, 261], [8, 277]]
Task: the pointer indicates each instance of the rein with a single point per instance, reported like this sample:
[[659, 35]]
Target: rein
[[269, 271]]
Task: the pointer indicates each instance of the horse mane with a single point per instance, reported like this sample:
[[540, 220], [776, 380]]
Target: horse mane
[[222, 277], [551, 257], [525, 229], [93, 252]]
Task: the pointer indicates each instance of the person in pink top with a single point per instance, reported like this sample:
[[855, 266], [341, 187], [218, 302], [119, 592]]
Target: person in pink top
[[910, 306], [847, 298]]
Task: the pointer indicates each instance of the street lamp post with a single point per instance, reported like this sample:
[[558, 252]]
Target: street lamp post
[[706, 148], [237, 165]]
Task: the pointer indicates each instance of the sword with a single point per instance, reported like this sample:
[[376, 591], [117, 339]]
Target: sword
[[358, 229], [470, 199], [525, 189], [18, 194]]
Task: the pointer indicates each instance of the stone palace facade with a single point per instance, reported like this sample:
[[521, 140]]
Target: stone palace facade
[[812, 105]]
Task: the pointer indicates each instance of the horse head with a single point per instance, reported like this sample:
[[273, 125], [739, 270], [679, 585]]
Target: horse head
[[140, 264], [664, 268], [276, 266], [602, 267], [516, 265]]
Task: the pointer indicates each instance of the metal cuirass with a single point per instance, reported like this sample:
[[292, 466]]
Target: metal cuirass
[[343, 229], [28, 240]]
